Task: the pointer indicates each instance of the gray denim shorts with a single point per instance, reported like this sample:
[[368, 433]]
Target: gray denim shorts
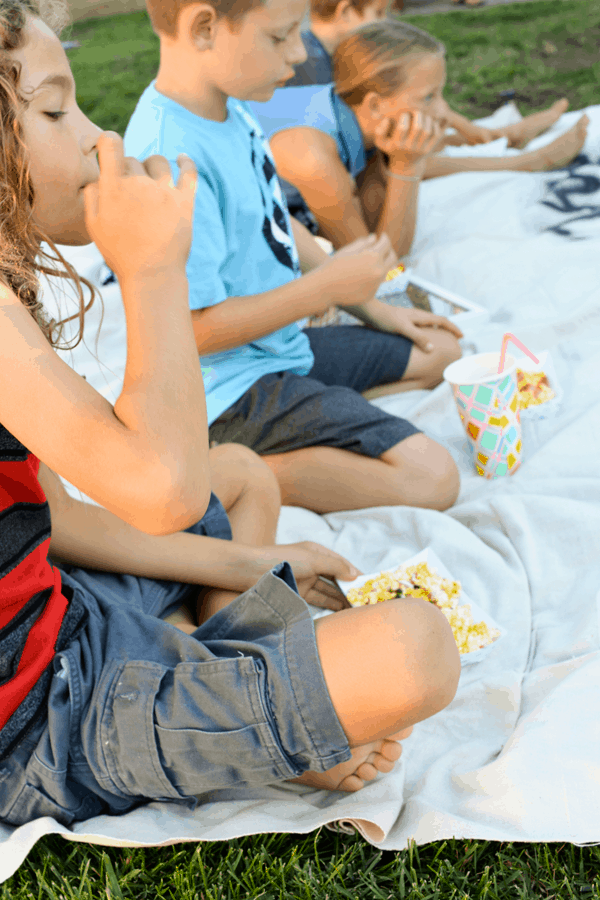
[[283, 411], [140, 711]]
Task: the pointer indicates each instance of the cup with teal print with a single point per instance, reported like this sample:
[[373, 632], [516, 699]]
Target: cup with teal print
[[487, 404]]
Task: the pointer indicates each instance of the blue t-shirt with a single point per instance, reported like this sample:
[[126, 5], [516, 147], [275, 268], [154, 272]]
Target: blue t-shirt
[[242, 239], [315, 106]]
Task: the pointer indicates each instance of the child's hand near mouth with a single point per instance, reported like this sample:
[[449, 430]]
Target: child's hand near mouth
[[135, 214]]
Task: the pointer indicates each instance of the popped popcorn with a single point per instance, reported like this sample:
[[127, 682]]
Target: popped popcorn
[[534, 388], [394, 272], [421, 581]]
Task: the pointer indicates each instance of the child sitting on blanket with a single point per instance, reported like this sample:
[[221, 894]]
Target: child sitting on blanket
[[355, 151], [292, 395], [103, 705]]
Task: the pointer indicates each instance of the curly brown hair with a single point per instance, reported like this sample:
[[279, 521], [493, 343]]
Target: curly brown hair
[[22, 256]]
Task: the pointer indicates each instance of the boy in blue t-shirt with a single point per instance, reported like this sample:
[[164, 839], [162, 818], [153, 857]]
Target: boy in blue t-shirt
[[292, 395]]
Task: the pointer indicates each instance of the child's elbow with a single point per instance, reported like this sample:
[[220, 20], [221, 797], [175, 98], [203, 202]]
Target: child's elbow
[[171, 502]]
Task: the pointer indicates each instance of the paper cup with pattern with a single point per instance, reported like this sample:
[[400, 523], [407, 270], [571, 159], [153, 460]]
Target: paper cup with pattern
[[487, 404]]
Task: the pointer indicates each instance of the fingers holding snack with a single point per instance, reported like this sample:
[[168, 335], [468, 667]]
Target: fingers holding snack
[[358, 269], [135, 214]]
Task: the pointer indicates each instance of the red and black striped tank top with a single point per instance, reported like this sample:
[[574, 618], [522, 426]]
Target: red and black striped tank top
[[37, 617]]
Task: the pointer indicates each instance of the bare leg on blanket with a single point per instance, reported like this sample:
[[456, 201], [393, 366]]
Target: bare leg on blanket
[[424, 370], [416, 472], [386, 667], [553, 156], [520, 133]]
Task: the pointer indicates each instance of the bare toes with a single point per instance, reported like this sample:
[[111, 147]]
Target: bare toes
[[391, 751], [367, 771], [382, 764], [350, 784]]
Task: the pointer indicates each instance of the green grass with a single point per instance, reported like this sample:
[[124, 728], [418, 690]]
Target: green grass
[[489, 50], [543, 50], [318, 866]]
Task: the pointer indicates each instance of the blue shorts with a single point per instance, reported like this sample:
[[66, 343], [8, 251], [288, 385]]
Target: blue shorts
[[140, 711], [284, 411]]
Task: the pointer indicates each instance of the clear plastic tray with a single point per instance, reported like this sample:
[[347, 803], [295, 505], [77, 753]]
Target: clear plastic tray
[[436, 565], [409, 290]]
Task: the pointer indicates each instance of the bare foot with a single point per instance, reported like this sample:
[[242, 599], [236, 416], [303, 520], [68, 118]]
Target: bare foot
[[366, 763], [560, 152], [524, 131]]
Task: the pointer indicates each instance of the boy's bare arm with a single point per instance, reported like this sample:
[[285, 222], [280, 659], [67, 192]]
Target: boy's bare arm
[[311, 255], [350, 276], [92, 537]]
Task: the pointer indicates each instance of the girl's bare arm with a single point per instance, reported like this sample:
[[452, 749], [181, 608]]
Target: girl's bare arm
[[389, 204], [146, 459], [310, 161]]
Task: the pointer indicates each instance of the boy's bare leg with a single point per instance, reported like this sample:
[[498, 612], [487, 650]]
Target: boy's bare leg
[[424, 370], [386, 667], [250, 494], [249, 491], [415, 472]]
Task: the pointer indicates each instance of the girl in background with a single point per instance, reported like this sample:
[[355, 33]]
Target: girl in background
[[357, 149]]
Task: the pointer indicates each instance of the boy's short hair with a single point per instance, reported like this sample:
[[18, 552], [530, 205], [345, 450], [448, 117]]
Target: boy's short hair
[[164, 14]]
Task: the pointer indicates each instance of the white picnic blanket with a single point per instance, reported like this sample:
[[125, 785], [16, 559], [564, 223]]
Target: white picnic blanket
[[516, 755]]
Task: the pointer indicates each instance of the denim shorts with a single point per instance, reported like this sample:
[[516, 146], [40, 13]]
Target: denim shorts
[[283, 411], [140, 711]]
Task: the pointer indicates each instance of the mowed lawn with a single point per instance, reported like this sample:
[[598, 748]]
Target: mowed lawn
[[542, 50]]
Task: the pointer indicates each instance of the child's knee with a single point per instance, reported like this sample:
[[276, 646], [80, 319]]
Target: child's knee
[[431, 467], [446, 350], [446, 478], [435, 660], [248, 468], [440, 661]]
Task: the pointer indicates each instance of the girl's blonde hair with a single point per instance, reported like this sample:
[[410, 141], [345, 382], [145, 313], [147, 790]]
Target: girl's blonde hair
[[374, 57], [22, 258]]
